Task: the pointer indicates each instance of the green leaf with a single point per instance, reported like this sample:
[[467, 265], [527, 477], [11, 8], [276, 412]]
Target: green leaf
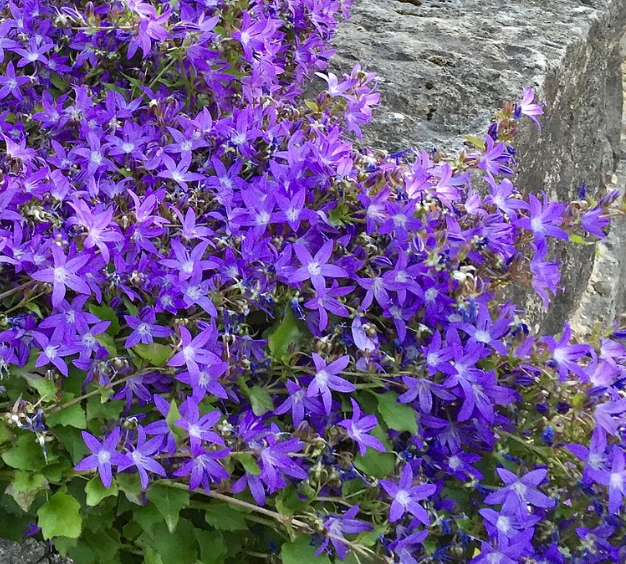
[[223, 517], [103, 408], [5, 434], [106, 313], [96, 491], [301, 552], [397, 416], [25, 454], [25, 487], [71, 416], [147, 516], [287, 332], [46, 389], [34, 308], [173, 548], [73, 441], [174, 415], [57, 81], [60, 517], [108, 342], [475, 141], [131, 486], [249, 464], [375, 463], [213, 549], [169, 501], [151, 556], [577, 239], [261, 401], [288, 501], [311, 105], [154, 353]]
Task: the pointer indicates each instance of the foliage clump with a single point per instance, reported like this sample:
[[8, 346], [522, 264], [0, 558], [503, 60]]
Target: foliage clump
[[230, 333]]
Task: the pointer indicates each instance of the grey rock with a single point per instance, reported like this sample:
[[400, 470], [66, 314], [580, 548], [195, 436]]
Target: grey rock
[[446, 65], [27, 552]]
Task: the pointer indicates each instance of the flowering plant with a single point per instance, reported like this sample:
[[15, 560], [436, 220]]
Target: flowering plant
[[230, 333]]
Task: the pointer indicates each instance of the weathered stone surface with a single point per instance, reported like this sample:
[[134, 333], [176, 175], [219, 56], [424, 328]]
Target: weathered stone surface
[[446, 65], [27, 552]]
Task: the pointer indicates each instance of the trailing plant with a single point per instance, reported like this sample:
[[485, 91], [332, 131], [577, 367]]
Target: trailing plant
[[232, 333]]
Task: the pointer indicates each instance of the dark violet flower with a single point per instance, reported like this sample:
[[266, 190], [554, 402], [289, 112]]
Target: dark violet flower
[[53, 350], [406, 496], [103, 456], [359, 427]]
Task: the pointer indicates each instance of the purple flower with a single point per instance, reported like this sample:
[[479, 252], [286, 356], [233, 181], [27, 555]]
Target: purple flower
[[199, 428], [98, 225], [566, 356], [141, 457], [298, 403], [518, 493], [103, 455], [192, 352], [11, 83], [406, 496], [544, 220], [359, 427], [144, 328], [64, 274], [202, 467], [594, 221], [527, 108], [326, 379], [337, 526], [316, 268], [53, 349]]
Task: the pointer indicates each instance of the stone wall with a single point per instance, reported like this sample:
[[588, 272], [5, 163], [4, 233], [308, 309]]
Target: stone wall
[[446, 65]]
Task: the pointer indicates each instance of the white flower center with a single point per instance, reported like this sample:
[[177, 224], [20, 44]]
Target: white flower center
[[103, 457], [504, 524], [520, 489], [189, 353], [403, 498], [314, 268], [322, 377], [482, 336], [60, 274], [617, 480]]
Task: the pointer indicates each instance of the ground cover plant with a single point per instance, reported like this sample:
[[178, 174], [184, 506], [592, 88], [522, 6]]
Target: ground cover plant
[[229, 333]]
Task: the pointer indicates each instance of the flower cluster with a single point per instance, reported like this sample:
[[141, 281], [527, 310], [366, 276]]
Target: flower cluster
[[242, 320]]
